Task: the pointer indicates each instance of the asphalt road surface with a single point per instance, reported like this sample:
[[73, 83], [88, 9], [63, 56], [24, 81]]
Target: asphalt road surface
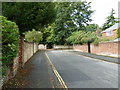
[[84, 72]]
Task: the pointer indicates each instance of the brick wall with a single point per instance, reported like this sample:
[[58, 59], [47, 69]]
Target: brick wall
[[104, 48], [82, 48]]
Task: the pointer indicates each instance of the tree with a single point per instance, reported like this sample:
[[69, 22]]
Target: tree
[[91, 27], [89, 38], [33, 36], [71, 16], [29, 15], [76, 37], [82, 37], [111, 20]]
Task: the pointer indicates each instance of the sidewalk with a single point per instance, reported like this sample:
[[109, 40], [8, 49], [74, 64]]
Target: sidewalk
[[36, 73], [105, 58]]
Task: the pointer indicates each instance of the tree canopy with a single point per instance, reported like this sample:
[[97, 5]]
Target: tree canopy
[[71, 16], [110, 20], [56, 20], [82, 37], [91, 27], [29, 15], [33, 36]]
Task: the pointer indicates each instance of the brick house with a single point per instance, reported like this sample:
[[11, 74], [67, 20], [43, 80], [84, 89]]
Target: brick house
[[111, 32]]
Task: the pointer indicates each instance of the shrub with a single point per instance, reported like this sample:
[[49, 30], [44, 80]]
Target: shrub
[[100, 39], [10, 41], [118, 33], [33, 36]]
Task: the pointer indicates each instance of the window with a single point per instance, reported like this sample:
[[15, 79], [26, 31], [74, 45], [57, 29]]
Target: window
[[109, 33]]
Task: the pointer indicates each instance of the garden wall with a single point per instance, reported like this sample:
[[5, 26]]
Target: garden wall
[[62, 47], [28, 50], [104, 48]]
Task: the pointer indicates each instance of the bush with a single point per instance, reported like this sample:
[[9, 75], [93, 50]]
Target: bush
[[10, 41], [100, 39], [33, 36], [118, 33]]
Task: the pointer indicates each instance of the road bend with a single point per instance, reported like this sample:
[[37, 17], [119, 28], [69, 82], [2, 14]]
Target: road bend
[[83, 72]]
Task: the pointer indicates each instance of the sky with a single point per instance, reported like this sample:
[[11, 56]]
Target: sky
[[102, 10]]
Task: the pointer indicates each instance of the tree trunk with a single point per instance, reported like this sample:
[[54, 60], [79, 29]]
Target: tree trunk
[[89, 50]]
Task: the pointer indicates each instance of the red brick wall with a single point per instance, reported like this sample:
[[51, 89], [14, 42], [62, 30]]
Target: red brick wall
[[108, 47], [21, 49], [105, 48], [82, 48]]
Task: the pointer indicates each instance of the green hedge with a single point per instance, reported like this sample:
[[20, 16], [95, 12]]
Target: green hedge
[[118, 33], [10, 41]]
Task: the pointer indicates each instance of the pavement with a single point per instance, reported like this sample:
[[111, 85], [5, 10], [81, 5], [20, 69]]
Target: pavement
[[102, 57], [36, 73], [79, 71]]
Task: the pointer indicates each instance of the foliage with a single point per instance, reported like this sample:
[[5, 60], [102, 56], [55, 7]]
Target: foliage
[[71, 16], [76, 37], [10, 41], [51, 35], [82, 37], [100, 39], [4, 69], [29, 15], [33, 36], [98, 32], [111, 20], [89, 37], [91, 27], [118, 33]]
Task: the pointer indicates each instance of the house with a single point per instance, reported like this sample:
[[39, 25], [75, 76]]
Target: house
[[111, 32]]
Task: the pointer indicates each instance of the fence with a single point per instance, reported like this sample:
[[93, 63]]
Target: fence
[[104, 48]]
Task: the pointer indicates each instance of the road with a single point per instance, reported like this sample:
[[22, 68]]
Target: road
[[83, 72], [74, 70]]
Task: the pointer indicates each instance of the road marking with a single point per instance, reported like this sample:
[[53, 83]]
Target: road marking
[[56, 73]]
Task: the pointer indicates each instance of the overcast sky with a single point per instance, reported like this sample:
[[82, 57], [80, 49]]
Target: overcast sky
[[102, 9]]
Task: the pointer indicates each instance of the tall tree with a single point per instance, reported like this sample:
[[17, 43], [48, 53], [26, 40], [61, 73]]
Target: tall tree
[[71, 16], [29, 15], [111, 20]]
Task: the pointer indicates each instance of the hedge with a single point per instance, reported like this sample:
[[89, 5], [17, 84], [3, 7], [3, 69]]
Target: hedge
[[10, 41]]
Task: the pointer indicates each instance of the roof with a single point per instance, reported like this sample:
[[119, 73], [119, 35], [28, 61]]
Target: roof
[[115, 26]]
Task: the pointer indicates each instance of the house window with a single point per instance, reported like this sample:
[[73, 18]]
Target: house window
[[109, 33]]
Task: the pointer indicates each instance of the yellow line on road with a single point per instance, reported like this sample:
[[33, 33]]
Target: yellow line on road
[[57, 74]]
